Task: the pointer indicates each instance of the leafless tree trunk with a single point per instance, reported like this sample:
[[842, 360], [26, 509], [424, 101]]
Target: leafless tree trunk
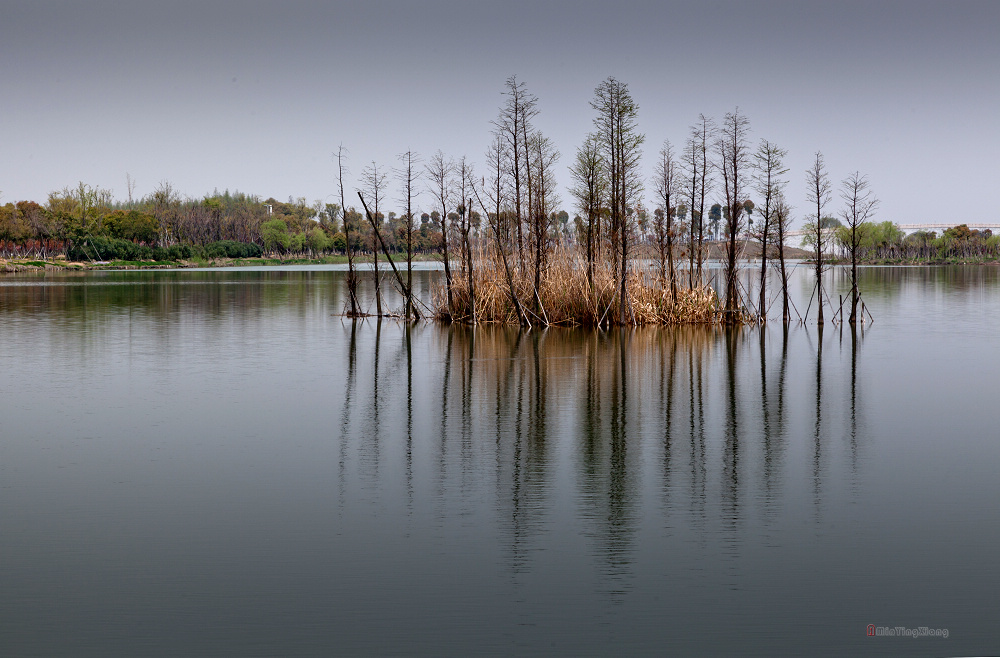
[[408, 176], [621, 144], [704, 132], [693, 164], [130, 186], [782, 222], [465, 226], [544, 198], [407, 291], [514, 124], [522, 317], [769, 163], [818, 192], [439, 171], [352, 275], [861, 204], [666, 183], [589, 178], [733, 152], [373, 180]]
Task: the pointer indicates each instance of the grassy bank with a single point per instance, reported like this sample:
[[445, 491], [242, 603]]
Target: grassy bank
[[60, 263]]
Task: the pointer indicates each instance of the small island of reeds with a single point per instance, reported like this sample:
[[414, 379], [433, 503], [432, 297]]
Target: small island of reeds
[[569, 293]]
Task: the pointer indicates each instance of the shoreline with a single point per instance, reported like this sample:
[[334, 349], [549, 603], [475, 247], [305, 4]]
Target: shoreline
[[19, 265], [15, 265]]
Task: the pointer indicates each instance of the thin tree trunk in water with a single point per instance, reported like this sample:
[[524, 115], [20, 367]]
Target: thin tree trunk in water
[[624, 267], [819, 281], [786, 315], [762, 309], [854, 278], [409, 258], [407, 293], [447, 267], [731, 293], [521, 316], [378, 283], [468, 256], [670, 254], [590, 251], [531, 201], [691, 248], [352, 276]]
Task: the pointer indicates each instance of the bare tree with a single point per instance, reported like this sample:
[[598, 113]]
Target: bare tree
[[465, 187], [544, 198], [818, 193], [693, 164], [352, 275], [734, 158], [408, 176], [860, 205], [665, 176], [770, 167], [514, 124], [130, 186], [439, 173], [703, 133], [406, 290], [621, 143], [373, 183], [782, 224], [589, 185], [497, 194]]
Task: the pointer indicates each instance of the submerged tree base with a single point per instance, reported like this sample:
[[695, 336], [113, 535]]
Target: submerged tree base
[[566, 297]]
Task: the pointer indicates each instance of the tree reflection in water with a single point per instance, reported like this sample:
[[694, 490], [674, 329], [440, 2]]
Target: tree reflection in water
[[508, 406]]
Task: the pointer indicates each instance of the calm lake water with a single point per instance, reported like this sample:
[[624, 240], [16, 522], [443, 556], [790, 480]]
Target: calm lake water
[[216, 462]]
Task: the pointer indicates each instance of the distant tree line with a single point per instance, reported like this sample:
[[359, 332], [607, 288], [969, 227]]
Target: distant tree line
[[89, 223], [885, 241]]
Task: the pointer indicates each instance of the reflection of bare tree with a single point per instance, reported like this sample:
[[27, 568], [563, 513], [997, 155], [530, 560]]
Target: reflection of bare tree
[[817, 442], [731, 449], [521, 410], [498, 390], [668, 363], [345, 417], [773, 423], [409, 416], [620, 517], [697, 430], [857, 334], [445, 396], [608, 489], [371, 449], [468, 363]]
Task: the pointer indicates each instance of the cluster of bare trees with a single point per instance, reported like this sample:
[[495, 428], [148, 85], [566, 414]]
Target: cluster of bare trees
[[447, 182], [860, 204], [517, 199], [521, 194], [717, 159]]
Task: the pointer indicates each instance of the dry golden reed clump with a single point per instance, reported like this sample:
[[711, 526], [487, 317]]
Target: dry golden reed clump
[[566, 298]]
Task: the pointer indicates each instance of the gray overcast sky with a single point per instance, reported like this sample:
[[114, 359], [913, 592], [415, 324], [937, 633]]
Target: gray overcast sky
[[256, 95]]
